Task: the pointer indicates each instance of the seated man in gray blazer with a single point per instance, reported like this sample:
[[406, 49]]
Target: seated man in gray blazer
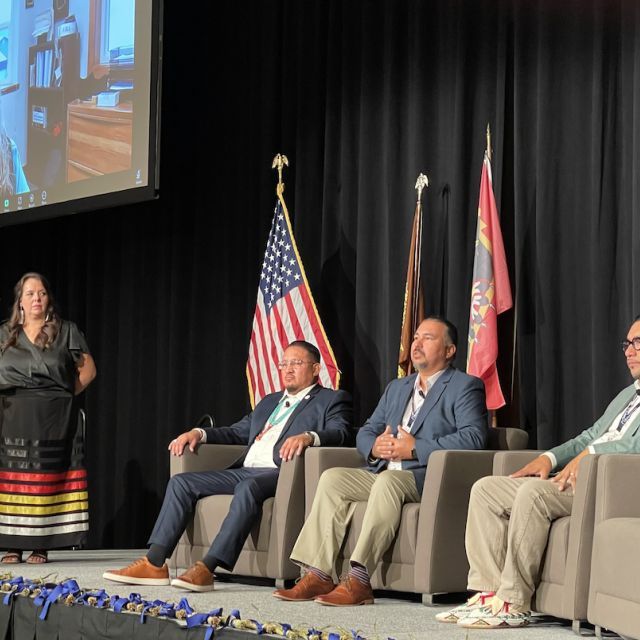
[[437, 408], [509, 518], [281, 426]]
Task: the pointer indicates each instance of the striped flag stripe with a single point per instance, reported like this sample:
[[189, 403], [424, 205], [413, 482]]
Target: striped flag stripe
[[255, 363], [315, 330], [272, 360], [278, 331], [264, 343], [288, 321]]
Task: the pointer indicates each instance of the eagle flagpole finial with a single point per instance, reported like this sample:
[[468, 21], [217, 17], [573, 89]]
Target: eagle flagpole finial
[[421, 183], [280, 161]]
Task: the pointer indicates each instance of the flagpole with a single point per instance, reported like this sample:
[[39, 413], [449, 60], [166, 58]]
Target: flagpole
[[413, 303], [513, 355], [421, 183], [492, 413]]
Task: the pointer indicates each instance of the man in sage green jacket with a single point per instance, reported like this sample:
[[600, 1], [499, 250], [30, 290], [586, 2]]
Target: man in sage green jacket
[[509, 517]]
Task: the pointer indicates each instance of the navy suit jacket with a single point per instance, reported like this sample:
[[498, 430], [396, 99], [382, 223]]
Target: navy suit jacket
[[326, 412], [453, 416]]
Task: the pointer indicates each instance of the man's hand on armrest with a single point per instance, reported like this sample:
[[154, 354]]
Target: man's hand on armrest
[[295, 445], [188, 438], [540, 467]]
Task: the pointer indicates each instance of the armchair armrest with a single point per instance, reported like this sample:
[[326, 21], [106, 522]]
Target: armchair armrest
[[506, 462], [618, 474], [319, 459], [288, 516], [441, 563], [578, 564], [206, 457]]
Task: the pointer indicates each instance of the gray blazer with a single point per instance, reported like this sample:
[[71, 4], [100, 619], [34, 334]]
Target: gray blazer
[[629, 443], [453, 416]]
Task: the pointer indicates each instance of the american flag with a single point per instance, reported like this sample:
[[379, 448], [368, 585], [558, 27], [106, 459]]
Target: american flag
[[285, 311]]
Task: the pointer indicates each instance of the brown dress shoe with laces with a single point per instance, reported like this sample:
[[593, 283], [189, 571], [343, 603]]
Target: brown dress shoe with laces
[[349, 593], [140, 571], [307, 588], [195, 578]]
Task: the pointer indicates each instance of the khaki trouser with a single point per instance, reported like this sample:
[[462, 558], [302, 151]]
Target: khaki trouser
[[507, 530], [338, 492]]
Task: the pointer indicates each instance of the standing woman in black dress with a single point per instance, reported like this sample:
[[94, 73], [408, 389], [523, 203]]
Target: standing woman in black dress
[[44, 364]]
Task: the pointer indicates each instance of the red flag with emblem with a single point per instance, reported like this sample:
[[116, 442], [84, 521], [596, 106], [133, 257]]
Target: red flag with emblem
[[490, 293]]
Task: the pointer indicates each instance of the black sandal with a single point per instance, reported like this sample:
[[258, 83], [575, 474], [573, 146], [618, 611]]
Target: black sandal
[[11, 557], [38, 557]]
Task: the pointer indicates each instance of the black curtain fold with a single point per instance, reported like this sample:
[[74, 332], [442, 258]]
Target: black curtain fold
[[361, 97]]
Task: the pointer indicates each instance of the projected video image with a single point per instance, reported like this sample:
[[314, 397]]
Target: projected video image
[[74, 99]]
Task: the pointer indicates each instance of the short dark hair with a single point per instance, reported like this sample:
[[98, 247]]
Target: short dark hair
[[452, 332], [311, 349]]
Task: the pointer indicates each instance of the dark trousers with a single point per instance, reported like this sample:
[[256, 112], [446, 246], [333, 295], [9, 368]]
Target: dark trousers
[[249, 487]]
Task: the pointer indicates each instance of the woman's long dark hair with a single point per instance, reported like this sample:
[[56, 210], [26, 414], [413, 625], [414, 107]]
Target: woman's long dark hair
[[51, 326]]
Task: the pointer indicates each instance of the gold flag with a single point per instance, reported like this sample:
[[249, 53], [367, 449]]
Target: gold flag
[[413, 309]]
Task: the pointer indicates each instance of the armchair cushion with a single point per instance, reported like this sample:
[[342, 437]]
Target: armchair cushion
[[267, 548]]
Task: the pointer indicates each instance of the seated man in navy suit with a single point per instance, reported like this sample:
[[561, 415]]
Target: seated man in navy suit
[[281, 426], [437, 408]]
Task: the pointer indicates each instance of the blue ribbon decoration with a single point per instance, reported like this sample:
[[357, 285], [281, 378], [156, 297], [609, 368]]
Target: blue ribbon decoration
[[68, 587], [147, 605], [16, 585], [184, 605], [197, 619], [101, 596], [50, 593]]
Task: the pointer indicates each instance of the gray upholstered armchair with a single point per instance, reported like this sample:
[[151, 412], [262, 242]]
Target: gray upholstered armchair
[[428, 556], [266, 551], [563, 589], [614, 593]]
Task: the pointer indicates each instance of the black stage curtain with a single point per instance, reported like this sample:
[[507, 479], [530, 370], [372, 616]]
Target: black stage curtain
[[361, 96]]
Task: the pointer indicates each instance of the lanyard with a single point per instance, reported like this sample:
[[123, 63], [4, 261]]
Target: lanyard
[[628, 412], [415, 409], [278, 415]]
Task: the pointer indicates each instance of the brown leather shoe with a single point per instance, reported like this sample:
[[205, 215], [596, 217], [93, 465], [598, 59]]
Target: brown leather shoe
[[307, 588], [195, 578], [140, 571], [349, 593]]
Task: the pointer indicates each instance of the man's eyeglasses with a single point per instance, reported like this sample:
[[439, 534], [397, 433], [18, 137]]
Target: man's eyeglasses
[[296, 364], [635, 342]]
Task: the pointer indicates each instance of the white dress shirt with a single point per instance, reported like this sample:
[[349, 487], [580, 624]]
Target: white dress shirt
[[413, 407], [260, 453]]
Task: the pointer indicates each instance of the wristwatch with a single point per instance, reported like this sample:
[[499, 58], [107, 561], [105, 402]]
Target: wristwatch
[[414, 454]]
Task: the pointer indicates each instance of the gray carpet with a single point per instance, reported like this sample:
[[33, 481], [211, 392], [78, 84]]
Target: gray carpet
[[401, 619]]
